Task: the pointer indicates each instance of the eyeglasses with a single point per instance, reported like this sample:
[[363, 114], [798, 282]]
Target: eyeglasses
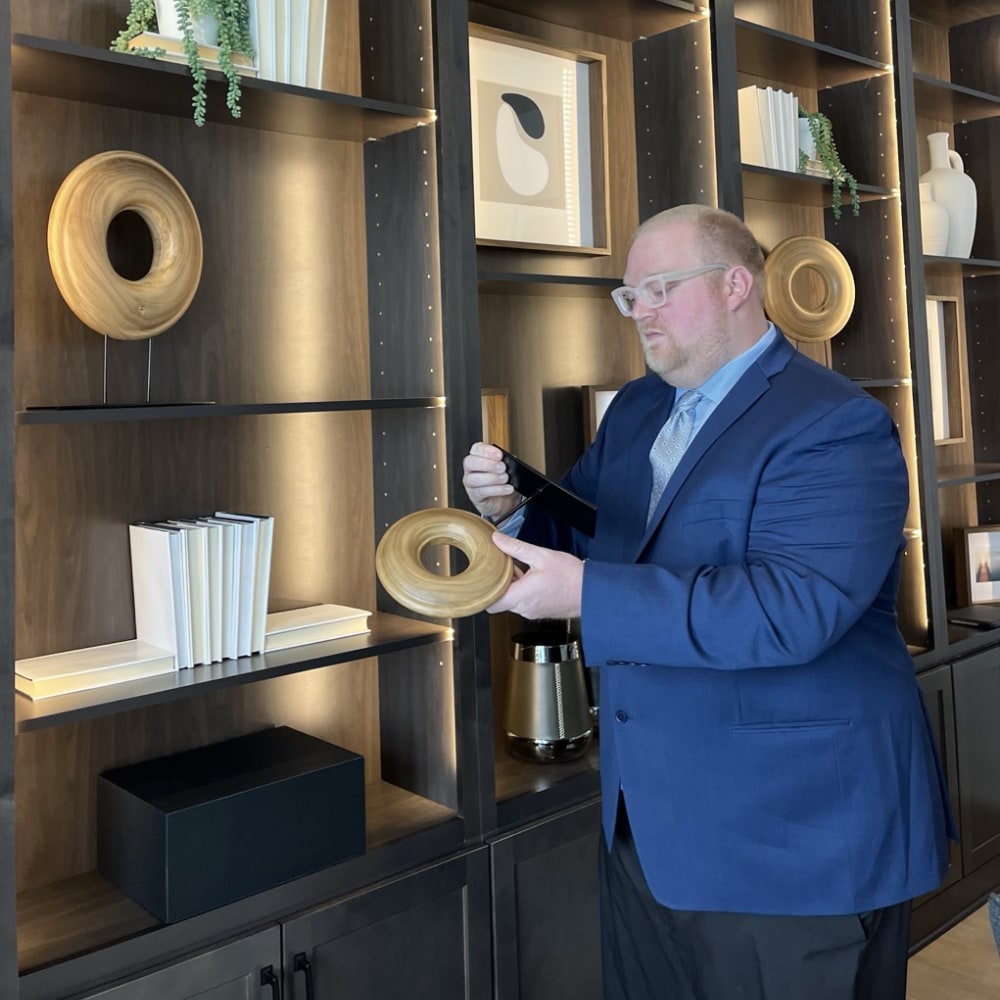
[[653, 291]]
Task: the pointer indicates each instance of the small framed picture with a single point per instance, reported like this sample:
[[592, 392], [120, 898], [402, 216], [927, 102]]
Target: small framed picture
[[596, 399], [539, 147], [948, 371], [978, 562]]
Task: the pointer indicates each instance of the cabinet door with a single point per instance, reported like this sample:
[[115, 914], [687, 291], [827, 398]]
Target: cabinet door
[[546, 923], [936, 687], [977, 720], [240, 970], [422, 937]]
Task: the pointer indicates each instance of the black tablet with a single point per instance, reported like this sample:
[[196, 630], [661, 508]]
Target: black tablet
[[536, 487]]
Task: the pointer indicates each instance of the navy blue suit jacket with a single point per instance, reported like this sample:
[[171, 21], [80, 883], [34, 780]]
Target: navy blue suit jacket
[[759, 709]]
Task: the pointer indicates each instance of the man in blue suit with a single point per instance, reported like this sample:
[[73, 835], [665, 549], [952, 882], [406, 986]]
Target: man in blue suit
[[772, 797]]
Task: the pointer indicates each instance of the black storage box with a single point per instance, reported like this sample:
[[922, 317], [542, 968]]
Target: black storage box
[[195, 830]]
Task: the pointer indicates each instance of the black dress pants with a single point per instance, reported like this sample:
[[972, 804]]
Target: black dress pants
[[653, 952]]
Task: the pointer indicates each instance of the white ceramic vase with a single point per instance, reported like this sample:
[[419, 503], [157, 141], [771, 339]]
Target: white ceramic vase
[[955, 191], [206, 28], [934, 224]]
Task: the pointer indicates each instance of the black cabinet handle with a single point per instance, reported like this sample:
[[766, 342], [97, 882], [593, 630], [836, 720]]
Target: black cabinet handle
[[268, 978], [301, 964]]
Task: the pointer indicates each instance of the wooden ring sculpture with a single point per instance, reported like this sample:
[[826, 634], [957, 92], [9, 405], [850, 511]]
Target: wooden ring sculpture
[[405, 578], [90, 197], [781, 268]]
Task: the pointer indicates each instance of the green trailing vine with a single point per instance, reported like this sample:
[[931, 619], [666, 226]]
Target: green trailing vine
[[826, 152], [233, 17]]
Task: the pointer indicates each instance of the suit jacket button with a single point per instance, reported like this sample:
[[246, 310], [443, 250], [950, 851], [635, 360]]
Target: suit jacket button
[[621, 716]]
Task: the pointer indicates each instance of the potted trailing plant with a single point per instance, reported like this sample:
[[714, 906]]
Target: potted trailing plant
[[230, 19], [825, 152]]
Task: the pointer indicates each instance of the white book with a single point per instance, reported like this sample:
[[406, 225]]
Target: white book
[[316, 46], [317, 623], [230, 583], [751, 127], [213, 546], [771, 128], [196, 550], [298, 41], [282, 40], [262, 573], [160, 589], [83, 669], [262, 36], [247, 572]]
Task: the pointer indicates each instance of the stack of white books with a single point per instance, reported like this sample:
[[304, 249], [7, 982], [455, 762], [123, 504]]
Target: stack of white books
[[315, 623], [172, 50], [769, 129], [201, 584]]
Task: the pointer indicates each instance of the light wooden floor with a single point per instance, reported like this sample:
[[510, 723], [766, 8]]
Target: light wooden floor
[[962, 964]]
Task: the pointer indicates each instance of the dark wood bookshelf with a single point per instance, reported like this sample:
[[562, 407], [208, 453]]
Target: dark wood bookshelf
[[767, 184], [960, 475], [389, 634], [960, 267], [948, 13], [511, 283], [81, 73], [784, 58], [123, 413], [951, 102]]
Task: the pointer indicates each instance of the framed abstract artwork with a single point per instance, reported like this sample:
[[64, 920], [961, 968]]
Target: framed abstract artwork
[[978, 564], [539, 148]]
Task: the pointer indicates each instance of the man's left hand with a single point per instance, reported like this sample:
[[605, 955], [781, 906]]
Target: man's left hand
[[550, 587]]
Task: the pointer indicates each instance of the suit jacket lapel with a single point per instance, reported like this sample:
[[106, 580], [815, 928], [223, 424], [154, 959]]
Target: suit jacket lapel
[[752, 384]]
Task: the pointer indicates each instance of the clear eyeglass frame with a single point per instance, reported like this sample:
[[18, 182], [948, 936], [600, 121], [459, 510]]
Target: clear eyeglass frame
[[653, 290]]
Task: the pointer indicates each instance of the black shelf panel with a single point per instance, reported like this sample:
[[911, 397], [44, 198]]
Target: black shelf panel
[[513, 283], [948, 13], [950, 102], [82, 73], [99, 414], [961, 475], [624, 19], [767, 184], [775, 55], [883, 383], [960, 267], [389, 634]]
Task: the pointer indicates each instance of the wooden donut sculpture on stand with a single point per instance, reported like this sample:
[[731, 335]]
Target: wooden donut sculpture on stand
[[401, 571], [796, 259], [88, 200]]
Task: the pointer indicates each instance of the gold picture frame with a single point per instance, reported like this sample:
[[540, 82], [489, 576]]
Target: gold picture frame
[[539, 144]]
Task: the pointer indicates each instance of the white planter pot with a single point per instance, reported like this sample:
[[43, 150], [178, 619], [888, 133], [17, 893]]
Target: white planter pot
[[206, 28]]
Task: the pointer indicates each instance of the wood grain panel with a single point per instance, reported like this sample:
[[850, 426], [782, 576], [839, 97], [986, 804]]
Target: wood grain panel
[[78, 487], [57, 768], [795, 17], [673, 111], [979, 145], [973, 49], [536, 344], [396, 55], [930, 50], [280, 313], [88, 23]]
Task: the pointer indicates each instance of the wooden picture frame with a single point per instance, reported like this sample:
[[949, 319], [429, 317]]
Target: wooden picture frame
[[949, 380], [539, 144], [596, 399], [977, 561]]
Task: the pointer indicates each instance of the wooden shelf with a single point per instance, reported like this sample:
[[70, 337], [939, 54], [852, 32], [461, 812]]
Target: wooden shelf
[[624, 19], [784, 58], [948, 13], [389, 634], [766, 184], [83, 913], [510, 283], [514, 778], [960, 267], [80, 73], [948, 102], [98, 414], [961, 475]]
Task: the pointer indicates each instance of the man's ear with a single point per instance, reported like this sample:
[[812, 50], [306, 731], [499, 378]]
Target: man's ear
[[739, 286]]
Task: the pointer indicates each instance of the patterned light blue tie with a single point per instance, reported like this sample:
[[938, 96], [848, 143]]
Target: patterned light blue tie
[[670, 444]]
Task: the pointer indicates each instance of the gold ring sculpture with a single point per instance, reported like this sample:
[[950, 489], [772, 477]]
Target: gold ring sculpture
[[89, 198], [784, 264], [404, 576]]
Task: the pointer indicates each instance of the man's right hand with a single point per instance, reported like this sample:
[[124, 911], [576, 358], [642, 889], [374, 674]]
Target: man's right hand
[[484, 477]]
